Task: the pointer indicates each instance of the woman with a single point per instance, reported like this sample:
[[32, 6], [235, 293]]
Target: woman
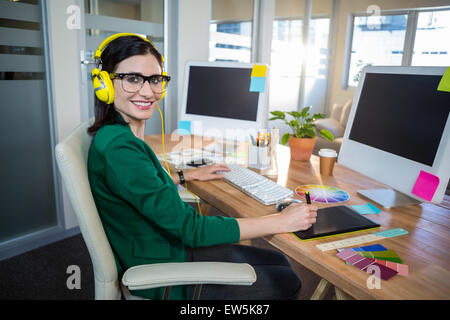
[[138, 202]]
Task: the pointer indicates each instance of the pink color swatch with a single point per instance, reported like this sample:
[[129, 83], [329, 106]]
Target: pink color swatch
[[363, 263], [402, 269], [426, 185]]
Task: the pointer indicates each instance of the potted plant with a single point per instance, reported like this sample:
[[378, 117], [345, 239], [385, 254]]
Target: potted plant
[[303, 138]]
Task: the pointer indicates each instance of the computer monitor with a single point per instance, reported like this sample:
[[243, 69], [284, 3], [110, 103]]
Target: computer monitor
[[398, 126], [218, 102]]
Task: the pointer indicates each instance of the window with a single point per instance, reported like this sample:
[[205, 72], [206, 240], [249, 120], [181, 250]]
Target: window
[[377, 42], [429, 48], [285, 64], [316, 71], [230, 41], [300, 55], [384, 40], [230, 33]]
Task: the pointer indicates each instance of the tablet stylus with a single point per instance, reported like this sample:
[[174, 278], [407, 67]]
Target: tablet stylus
[[308, 198]]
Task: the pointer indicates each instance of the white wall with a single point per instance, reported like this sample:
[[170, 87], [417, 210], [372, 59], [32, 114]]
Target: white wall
[[193, 36]]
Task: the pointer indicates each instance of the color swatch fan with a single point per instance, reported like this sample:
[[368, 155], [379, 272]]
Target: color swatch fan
[[323, 194]]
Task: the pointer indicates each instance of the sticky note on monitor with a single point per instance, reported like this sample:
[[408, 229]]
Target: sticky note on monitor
[[444, 84], [257, 84], [184, 127], [259, 71], [426, 185]]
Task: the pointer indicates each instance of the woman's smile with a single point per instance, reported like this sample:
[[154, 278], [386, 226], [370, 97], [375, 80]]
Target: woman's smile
[[142, 104]]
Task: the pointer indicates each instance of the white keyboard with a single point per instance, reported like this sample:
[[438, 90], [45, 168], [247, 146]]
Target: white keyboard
[[255, 185]]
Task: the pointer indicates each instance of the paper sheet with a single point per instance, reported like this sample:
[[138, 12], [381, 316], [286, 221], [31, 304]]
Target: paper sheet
[[366, 209], [444, 84], [425, 186], [257, 84], [184, 127], [259, 71]]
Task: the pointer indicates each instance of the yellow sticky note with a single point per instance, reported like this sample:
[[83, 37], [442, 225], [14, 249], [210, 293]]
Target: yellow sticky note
[[444, 84], [259, 71]]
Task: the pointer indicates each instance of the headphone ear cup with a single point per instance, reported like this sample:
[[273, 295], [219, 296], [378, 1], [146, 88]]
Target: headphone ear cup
[[103, 86]]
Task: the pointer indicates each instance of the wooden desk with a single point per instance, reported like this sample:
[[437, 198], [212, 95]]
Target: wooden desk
[[425, 249]]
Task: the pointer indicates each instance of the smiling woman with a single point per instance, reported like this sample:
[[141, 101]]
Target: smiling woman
[[135, 100], [125, 54], [142, 213]]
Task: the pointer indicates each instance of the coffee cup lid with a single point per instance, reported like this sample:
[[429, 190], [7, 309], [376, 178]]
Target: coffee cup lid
[[327, 153]]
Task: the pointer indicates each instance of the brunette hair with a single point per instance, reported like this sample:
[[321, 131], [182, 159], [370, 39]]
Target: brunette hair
[[117, 50]]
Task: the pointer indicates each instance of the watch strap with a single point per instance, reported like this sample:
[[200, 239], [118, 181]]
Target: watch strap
[[181, 176]]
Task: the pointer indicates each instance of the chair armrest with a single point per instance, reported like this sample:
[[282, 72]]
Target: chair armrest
[[184, 273]]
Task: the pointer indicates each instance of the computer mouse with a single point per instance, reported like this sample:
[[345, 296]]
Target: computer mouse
[[284, 204]]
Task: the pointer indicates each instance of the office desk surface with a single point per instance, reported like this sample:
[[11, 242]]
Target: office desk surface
[[425, 249]]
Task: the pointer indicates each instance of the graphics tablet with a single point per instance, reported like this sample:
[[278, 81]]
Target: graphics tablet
[[336, 220]]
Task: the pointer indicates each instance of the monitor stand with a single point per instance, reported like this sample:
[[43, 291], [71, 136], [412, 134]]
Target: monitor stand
[[388, 198]]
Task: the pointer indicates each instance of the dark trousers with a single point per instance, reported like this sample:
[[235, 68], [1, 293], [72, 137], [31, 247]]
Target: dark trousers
[[275, 278]]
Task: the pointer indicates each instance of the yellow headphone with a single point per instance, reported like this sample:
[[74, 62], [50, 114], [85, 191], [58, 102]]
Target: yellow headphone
[[101, 80]]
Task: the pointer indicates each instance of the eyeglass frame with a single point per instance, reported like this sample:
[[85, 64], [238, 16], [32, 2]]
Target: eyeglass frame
[[146, 78]]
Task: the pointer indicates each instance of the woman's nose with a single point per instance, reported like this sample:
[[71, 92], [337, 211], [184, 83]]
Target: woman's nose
[[146, 90]]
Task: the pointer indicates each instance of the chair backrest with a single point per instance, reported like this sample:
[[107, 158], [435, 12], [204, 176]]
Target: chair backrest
[[71, 156]]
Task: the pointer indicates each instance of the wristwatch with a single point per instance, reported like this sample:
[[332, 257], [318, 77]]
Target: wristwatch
[[181, 175]]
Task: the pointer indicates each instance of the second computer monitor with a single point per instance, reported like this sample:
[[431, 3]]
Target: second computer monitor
[[398, 133], [218, 102]]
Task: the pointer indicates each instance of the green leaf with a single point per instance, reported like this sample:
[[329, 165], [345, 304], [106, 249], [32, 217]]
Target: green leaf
[[295, 114], [327, 134], [278, 114], [310, 132], [275, 118], [317, 116], [285, 138], [293, 123], [305, 111]]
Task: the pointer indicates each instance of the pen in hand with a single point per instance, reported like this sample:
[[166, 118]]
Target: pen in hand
[[308, 198]]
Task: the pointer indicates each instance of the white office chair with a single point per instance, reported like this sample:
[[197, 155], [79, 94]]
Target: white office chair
[[71, 156]]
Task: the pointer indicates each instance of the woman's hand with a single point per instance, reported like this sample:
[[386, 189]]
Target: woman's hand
[[298, 216], [206, 172], [295, 217]]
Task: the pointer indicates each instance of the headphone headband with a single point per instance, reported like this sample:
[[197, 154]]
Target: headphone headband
[[108, 40]]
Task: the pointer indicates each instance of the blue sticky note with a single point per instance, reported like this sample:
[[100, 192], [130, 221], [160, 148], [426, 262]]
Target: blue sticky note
[[366, 209], [257, 84], [184, 127]]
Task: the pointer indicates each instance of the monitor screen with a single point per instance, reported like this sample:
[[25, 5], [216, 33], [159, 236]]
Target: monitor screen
[[221, 92], [402, 114]]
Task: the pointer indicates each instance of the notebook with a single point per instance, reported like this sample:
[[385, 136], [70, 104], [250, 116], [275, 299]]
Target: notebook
[[336, 220]]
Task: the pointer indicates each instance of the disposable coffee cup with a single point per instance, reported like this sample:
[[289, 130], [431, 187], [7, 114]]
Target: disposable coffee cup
[[327, 160]]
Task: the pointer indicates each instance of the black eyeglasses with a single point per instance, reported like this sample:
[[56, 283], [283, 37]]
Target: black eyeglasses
[[132, 82]]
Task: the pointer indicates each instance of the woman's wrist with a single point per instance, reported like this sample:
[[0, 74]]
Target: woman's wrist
[[188, 175], [256, 227]]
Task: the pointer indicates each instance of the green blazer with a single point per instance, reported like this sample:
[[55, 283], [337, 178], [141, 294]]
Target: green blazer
[[144, 218]]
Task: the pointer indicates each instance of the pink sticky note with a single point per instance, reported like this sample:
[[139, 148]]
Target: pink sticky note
[[426, 185]]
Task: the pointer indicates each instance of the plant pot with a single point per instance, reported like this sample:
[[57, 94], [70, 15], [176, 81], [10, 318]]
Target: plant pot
[[301, 148]]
